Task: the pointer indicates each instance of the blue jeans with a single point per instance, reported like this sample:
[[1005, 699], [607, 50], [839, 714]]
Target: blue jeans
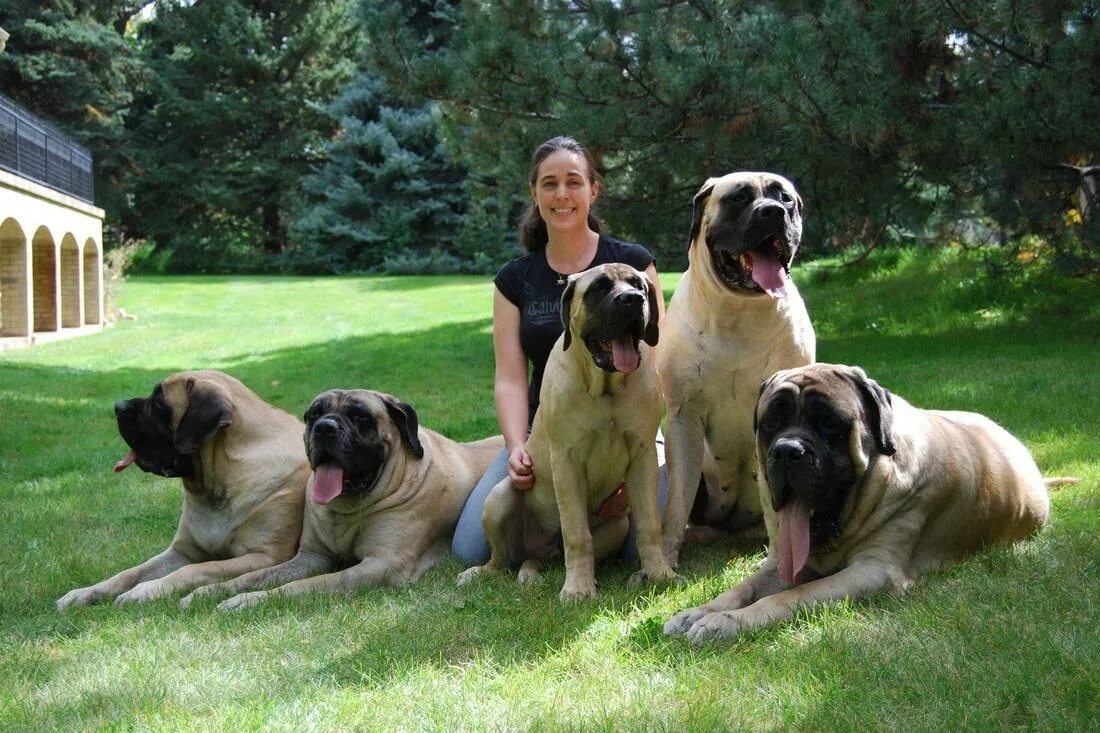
[[469, 543]]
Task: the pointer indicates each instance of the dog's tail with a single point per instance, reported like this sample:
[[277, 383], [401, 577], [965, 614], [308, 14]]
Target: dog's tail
[[1057, 482]]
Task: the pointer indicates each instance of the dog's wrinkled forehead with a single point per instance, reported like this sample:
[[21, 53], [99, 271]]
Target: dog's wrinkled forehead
[[345, 402], [602, 280], [745, 187], [606, 276], [820, 382]]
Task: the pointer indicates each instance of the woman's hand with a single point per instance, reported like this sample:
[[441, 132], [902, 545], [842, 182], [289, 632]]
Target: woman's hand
[[520, 469]]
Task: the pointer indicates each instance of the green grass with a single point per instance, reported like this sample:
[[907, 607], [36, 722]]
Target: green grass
[[1006, 641]]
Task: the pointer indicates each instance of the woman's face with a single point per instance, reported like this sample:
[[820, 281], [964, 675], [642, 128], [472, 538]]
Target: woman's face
[[563, 191]]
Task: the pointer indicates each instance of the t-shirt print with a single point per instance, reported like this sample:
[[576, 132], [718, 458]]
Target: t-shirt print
[[540, 311]]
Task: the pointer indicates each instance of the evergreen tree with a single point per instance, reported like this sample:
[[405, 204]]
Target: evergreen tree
[[387, 189], [231, 121], [892, 117]]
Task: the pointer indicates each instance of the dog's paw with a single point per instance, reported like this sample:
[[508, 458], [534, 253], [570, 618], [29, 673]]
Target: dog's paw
[[661, 575], [715, 626], [470, 574], [142, 592], [242, 601], [577, 592], [79, 597], [681, 622], [203, 591], [529, 573]]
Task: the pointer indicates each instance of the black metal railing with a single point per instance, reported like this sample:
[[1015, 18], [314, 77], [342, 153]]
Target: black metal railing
[[32, 149]]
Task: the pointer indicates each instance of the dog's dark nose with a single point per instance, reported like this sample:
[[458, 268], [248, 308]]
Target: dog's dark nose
[[771, 210], [630, 297], [787, 451], [325, 426], [121, 406]]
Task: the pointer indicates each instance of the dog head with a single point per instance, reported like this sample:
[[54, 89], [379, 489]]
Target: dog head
[[167, 428], [817, 430], [611, 308], [750, 226], [351, 435]]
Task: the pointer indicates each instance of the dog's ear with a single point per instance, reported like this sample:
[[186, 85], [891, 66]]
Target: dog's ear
[[878, 409], [698, 206], [566, 305], [651, 327], [208, 411], [408, 425]]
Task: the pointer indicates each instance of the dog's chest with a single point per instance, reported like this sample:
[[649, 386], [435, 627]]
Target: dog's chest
[[212, 528], [605, 456], [340, 533]]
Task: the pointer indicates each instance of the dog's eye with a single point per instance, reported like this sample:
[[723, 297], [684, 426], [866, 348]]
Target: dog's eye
[[786, 197], [600, 284], [830, 425], [158, 404], [740, 197], [358, 414], [772, 421]]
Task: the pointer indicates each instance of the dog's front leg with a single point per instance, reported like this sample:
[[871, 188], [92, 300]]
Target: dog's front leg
[[571, 493], [645, 512], [685, 437], [302, 565], [155, 567], [860, 579], [195, 575], [370, 571]]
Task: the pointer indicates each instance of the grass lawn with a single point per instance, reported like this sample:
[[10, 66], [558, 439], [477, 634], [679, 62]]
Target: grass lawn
[[1008, 640]]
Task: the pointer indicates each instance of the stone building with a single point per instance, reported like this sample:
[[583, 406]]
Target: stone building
[[51, 233]]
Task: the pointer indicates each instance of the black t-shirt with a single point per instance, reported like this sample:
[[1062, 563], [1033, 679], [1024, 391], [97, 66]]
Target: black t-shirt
[[529, 284]]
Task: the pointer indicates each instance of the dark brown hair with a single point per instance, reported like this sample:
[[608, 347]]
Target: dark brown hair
[[532, 229]]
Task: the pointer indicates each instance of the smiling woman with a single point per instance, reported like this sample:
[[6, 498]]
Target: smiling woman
[[562, 237]]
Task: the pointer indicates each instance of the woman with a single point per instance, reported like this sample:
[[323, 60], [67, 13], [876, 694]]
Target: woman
[[562, 237]]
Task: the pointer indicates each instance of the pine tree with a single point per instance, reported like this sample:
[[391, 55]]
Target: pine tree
[[893, 118], [231, 121], [388, 189]]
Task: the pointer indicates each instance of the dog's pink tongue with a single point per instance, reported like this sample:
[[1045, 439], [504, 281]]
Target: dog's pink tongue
[[126, 461], [794, 540], [769, 274], [625, 357], [328, 482]]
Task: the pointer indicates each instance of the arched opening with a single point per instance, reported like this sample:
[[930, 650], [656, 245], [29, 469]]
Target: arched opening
[[70, 283], [13, 280], [92, 282], [43, 281]]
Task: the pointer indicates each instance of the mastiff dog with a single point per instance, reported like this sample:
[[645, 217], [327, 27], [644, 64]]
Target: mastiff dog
[[381, 506], [595, 429], [734, 319], [862, 492], [244, 476]]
